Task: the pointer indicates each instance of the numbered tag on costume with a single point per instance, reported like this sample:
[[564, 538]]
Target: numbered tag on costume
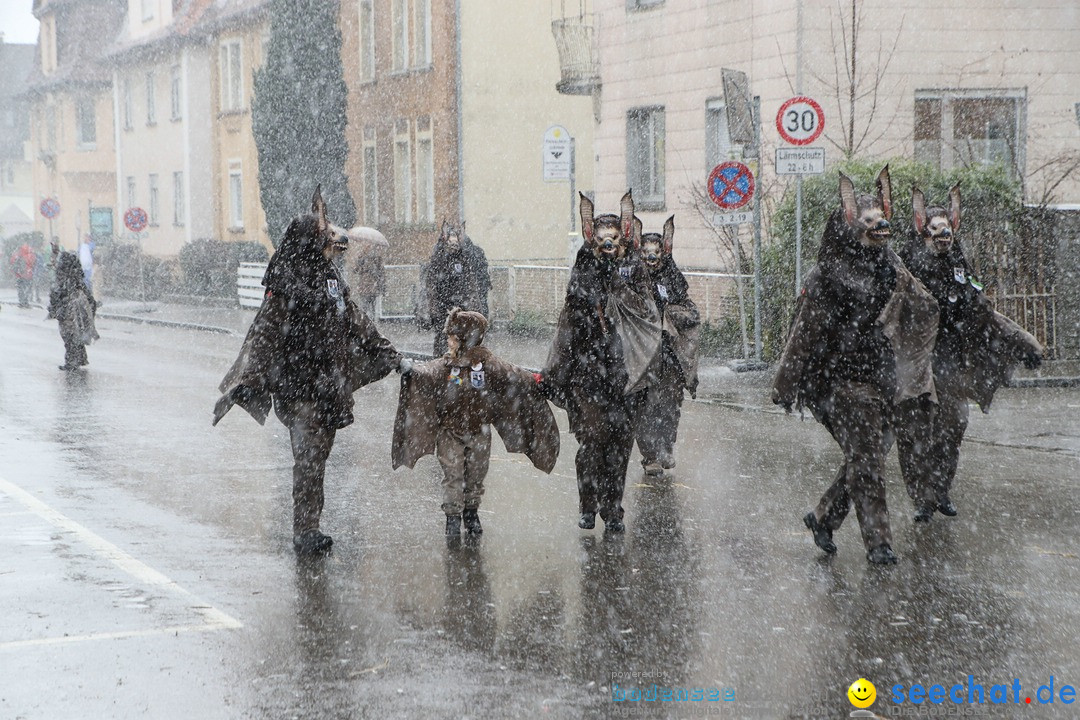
[[959, 275], [332, 288], [476, 377], [624, 270], [458, 267], [455, 376], [662, 290]]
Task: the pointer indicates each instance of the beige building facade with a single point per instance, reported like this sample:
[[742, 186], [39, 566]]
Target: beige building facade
[[449, 104], [973, 82], [71, 119]]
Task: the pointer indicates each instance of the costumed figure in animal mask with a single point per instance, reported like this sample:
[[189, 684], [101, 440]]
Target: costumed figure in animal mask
[[860, 343], [308, 349], [658, 420], [975, 353], [72, 304], [606, 343], [455, 276], [448, 405]]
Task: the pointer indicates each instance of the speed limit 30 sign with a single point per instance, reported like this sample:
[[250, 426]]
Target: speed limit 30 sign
[[800, 120]]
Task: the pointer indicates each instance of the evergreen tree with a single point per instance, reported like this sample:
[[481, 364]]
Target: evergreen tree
[[298, 115]]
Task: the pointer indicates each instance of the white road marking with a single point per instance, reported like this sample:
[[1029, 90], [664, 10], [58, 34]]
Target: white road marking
[[214, 619]]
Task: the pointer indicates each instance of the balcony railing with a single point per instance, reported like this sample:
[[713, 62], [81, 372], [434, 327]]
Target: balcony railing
[[580, 71]]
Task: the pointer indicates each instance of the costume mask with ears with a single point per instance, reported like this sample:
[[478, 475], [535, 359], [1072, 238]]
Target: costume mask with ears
[[334, 239], [654, 246], [868, 216], [452, 236], [936, 225], [608, 236]]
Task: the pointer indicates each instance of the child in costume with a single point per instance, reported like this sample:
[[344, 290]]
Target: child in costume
[[447, 406]]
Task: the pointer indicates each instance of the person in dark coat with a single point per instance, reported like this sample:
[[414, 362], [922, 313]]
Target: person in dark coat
[[308, 349], [860, 342], [975, 352], [658, 422], [448, 405], [456, 276], [606, 342], [71, 303]]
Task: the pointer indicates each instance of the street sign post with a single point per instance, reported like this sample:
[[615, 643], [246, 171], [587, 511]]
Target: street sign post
[[135, 220], [800, 161], [800, 120]]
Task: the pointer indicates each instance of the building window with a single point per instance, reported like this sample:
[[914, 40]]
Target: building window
[[151, 106], [400, 34], [422, 46], [718, 146], [970, 127], [231, 77], [236, 195], [367, 40], [86, 123], [645, 156], [371, 179], [129, 104], [176, 97], [148, 9], [179, 210], [152, 211], [425, 173], [131, 192], [402, 173]]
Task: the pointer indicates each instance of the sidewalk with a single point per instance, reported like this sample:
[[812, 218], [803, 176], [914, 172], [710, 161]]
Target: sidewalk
[[718, 382]]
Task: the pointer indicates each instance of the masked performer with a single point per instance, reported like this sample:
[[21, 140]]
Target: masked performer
[[861, 341], [448, 405], [455, 276], [975, 353], [658, 421], [71, 303], [606, 343], [308, 349]]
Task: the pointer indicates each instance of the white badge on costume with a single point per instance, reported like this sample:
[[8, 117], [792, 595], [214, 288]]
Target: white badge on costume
[[458, 267], [332, 288], [476, 377], [662, 290], [624, 270], [958, 275]]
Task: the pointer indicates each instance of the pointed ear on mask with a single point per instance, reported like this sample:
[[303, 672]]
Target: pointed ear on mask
[[442, 230], [918, 210], [318, 207], [588, 228], [626, 212], [638, 227], [954, 207], [884, 192], [669, 234], [847, 199]]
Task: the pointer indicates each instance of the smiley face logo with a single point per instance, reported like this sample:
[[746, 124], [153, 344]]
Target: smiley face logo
[[862, 693]]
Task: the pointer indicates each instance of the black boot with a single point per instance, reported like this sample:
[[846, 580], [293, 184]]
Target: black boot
[[312, 542], [923, 514], [471, 518], [453, 525], [587, 521], [822, 534], [945, 506], [882, 555]]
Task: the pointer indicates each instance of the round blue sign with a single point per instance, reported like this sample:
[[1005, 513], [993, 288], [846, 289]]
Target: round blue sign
[[50, 208]]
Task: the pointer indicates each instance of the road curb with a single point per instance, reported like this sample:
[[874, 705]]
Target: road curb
[[167, 323]]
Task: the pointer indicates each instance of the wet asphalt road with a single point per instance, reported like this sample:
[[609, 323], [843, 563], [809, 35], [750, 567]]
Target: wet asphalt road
[[146, 568]]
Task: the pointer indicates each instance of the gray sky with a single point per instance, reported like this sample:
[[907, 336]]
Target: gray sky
[[17, 22]]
